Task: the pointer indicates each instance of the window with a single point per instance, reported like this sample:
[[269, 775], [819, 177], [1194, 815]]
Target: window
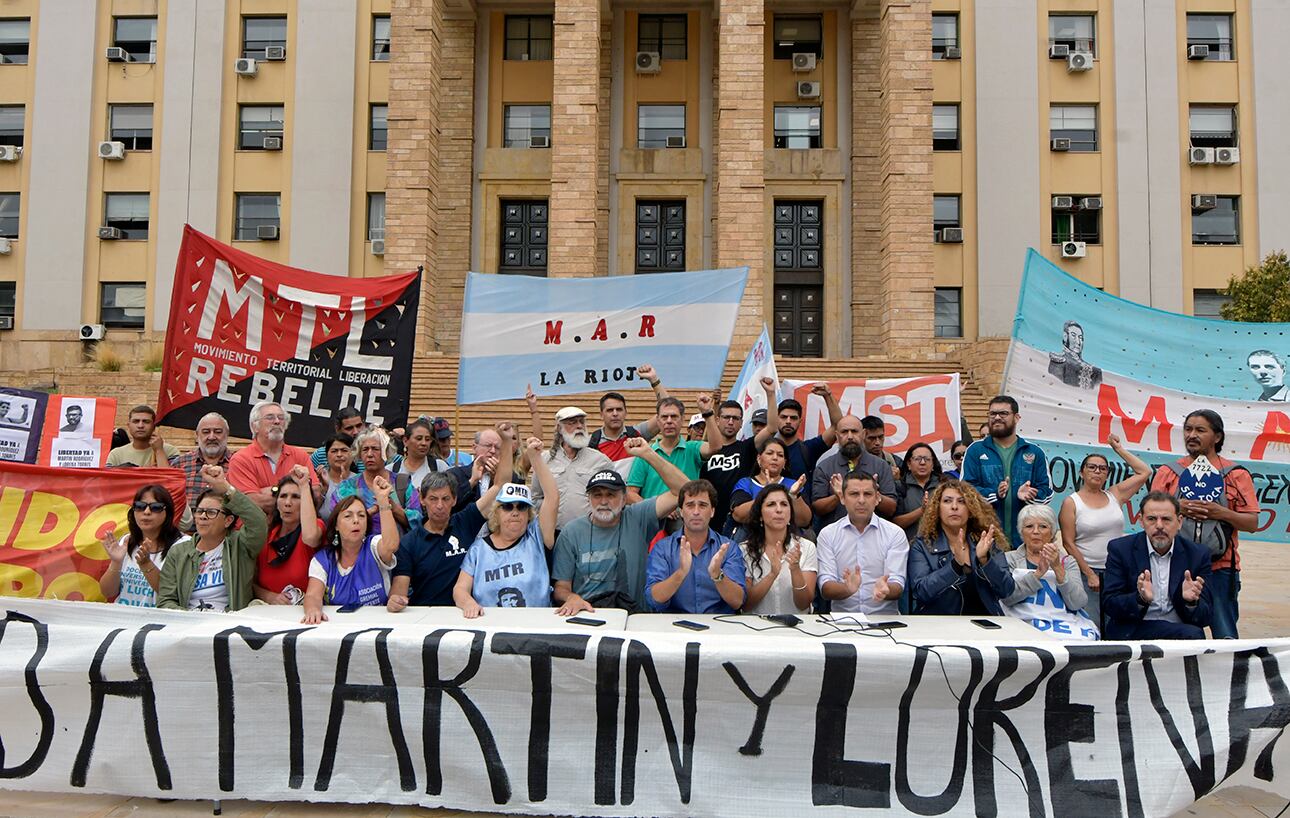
[[258, 33], [259, 122], [123, 305], [1212, 126], [10, 204], [1208, 303], [1075, 31], [945, 127], [798, 34], [663, 33], [523, 122], [256, 210], [15, 40], [137, 35], [131, 125], [660, 237], [128, 212], [797, 126], [381, 38], [12, 118], [1077, 225], [949, 312], [945, 213], [945, 34], [528, 37], [8, 297], [1218, 225], [1078, 123], [1213, 30], [655, 123], [378, 134], [524, 237], [375, 216]]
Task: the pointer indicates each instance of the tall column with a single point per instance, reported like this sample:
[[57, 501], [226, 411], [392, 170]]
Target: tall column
[[575, 140], [412, 152], [908, 311], [866, 179], [740, 164]]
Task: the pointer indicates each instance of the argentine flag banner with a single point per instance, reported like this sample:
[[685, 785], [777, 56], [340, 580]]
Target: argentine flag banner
[[564, 336]]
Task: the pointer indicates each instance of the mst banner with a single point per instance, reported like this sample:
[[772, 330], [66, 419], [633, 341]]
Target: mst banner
[[565, 335], [243, 329], [179, 705], [1084, 364], [52, 523]]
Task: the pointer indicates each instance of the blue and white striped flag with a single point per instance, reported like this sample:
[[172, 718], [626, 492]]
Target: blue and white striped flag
[[747, 390], [571, 335]]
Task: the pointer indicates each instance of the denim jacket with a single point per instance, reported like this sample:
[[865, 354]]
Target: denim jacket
[[938, 588]]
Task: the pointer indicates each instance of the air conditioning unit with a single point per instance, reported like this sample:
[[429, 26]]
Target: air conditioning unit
[[676, 141], [6, 247], [1200, 156], [1074, 249], [1063, 203], [92, 332], [117, 54], [1197, 52], [539, 141], [950, 235], [245, 67], [953, 52], [1079, 61], [110, 233], [1060, 143], [804, 61], [1090, 203], [378, 247], [648, 62], [1204, 201], [1227, 156], [275, 53], [272, 143], [1059, 52], [267, 232], [6, 322], [10, 153], [807, 89], [112, 150]]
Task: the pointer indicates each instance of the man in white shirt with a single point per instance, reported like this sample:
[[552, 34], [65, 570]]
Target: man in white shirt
[[862, 557]]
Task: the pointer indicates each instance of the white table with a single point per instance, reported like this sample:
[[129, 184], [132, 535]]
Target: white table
[[543, 619], [921, 630]]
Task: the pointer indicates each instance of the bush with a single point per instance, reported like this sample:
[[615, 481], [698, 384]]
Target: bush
[[108, 359], [155, 359], [1262, 294]]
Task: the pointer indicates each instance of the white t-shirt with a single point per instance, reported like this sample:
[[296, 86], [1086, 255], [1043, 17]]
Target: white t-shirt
[[210, 593], [135, 589], [418, 475], [779, 599]]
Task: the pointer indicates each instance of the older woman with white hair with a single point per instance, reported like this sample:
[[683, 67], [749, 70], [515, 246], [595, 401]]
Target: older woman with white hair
[[1049, 591], [374, 448]]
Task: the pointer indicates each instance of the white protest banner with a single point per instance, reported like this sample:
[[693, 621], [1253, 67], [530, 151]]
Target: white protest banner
[[924, 409], [747, 389], [103, 699]]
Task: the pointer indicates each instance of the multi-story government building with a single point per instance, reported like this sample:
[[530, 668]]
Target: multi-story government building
[[879, 165]]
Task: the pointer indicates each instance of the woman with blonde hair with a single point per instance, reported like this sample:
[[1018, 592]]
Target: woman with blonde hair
[[955, 565], [1048, 593]]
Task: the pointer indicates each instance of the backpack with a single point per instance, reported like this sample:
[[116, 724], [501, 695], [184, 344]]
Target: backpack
[[1212, 535]]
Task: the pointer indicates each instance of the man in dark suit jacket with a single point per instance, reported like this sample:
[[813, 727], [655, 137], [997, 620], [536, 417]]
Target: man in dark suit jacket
[[1156, 583]]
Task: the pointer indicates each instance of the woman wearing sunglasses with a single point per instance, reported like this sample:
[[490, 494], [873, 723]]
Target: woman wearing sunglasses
[[134, 574], [507, 567], [282, 569], [957, 452], [353, 566], [215, 572], [1093, 516]]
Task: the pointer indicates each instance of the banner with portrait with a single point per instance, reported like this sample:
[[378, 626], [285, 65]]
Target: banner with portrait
[[22, 416], [1085, 364], [78, 431]]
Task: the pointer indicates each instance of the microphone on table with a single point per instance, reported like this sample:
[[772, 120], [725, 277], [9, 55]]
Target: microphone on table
[[787, 620]]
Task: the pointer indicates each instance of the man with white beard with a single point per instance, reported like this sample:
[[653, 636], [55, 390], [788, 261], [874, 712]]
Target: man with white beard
[[572, 463], [257, 468], [212, 450], [600, 557]]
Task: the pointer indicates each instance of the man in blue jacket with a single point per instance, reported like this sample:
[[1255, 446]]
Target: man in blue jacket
[[1009, 471], [1156, 582]]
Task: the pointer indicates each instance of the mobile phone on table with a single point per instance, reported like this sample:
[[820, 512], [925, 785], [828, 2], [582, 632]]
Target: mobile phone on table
[[987, 624], [690, 626], [585, 620], [348, 608]]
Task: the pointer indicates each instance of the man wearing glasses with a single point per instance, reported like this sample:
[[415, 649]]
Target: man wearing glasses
[[1008, 470], [257, 468], [473, 483]]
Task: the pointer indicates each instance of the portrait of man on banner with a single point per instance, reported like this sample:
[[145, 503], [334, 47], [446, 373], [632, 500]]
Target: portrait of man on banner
[[1269, 373], [1069, 365]]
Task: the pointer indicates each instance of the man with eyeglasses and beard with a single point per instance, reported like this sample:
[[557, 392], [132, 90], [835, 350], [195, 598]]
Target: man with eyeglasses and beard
[[1008, 470], [256, 469], [572, 463], [851, 456], [600, 556]]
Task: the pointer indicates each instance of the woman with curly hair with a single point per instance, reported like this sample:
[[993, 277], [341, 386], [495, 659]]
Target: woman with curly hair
[[780, 563], [955, 566]]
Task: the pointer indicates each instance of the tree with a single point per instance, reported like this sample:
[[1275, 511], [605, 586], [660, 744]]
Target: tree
[[1262, 294]]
